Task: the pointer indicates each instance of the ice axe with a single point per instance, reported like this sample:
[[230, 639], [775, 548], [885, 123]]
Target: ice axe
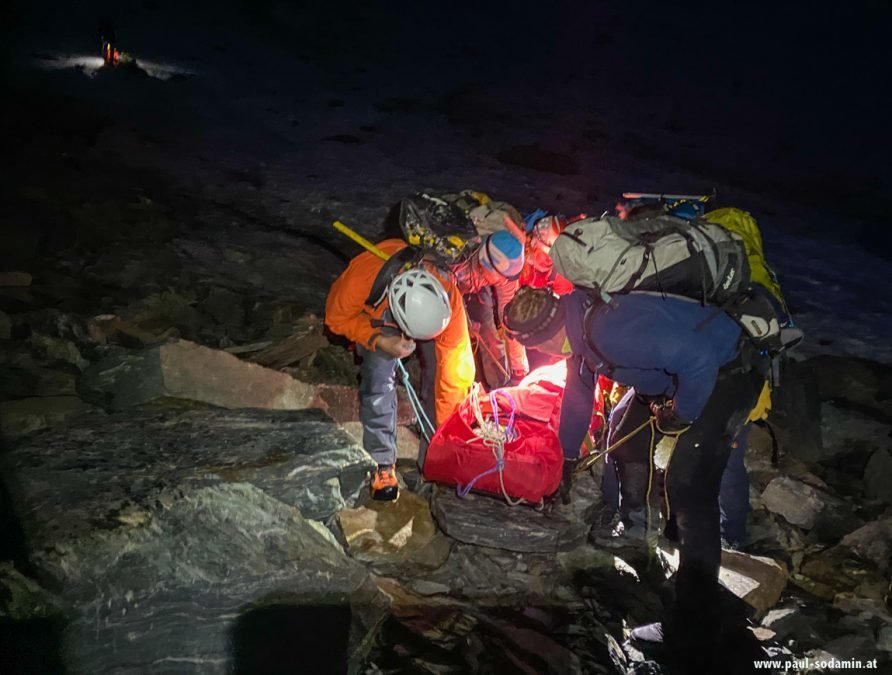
[[359, 239]]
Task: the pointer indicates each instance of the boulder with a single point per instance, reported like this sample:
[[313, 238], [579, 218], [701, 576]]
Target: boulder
[[872, 542], [793, 622], [191, 584], [489, 521], [184, 370], [182, 539], [798, 503], [757, 580], [299, 457]]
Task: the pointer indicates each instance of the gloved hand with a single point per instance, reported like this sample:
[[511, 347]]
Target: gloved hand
[[667, 421], [395, 345], [567, 480]]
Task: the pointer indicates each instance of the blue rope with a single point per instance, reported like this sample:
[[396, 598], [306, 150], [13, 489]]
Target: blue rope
[[509, 430], [415, 402], [463, 491]]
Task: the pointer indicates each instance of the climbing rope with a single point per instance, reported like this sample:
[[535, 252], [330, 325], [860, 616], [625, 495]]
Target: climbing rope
[[427, 427], [494, 436], [589, 461]]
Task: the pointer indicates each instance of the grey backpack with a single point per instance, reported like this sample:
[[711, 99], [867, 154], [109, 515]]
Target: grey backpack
[[696, 259]]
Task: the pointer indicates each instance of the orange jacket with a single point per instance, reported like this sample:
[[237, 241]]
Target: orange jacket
[[347, 314]]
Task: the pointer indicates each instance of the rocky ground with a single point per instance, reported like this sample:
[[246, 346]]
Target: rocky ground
[[183, 487], [182, 472]]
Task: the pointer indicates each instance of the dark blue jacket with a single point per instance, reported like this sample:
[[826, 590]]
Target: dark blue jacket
[[653, 344]]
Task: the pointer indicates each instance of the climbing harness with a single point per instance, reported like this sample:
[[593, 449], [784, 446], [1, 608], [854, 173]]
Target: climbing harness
[[494, 436]]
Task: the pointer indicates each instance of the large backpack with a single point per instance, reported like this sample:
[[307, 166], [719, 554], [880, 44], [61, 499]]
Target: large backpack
[[696, 259], [440, 229], [693, 258]]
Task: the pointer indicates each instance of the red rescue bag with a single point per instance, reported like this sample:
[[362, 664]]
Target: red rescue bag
[[532, 459]]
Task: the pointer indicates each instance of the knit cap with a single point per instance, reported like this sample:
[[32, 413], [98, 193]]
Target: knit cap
[[501, 252]]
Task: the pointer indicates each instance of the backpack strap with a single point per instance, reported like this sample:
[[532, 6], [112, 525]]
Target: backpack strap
[[394, 265], [605, 367]]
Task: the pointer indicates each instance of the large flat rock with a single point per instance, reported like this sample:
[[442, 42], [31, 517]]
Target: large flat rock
[[184, 370], [181, 540], [104, 467], [186, 588], [489, 521]]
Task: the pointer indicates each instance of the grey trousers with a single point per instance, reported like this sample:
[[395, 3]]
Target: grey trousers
[[377, 404], [378, 401]]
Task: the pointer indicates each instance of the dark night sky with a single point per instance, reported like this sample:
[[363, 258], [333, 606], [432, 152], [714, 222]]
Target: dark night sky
[[803, 81]]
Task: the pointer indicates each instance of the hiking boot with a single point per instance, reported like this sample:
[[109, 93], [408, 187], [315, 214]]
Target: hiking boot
[[384, 486], [618, 533]]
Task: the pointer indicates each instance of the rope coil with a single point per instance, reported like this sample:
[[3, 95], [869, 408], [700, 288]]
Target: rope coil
[[494, 436]]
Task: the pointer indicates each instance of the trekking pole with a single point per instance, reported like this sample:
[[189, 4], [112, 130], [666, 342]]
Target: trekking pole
[[660, 195]]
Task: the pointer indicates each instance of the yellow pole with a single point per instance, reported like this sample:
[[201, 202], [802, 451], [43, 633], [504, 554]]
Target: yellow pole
[[359, 239]]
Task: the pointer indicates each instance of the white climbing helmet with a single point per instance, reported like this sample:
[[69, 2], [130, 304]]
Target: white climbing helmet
[[419, 304]]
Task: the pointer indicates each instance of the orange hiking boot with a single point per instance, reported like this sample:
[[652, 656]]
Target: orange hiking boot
[[384, 486]]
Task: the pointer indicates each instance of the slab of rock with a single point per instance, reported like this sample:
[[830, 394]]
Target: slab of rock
[[856, 565], [102, 467], [5, 326], [757, 580], [791, 622], [184, 370], [190, 582], [872, 542], [388, 531], [798, 503], [24, 416], [489, 521]]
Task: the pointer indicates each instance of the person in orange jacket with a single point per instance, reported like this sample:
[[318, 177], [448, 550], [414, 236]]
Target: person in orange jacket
[[538, 271], [420, 304]]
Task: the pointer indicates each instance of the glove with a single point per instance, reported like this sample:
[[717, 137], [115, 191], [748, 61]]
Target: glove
[[668, 422], [567, 480]]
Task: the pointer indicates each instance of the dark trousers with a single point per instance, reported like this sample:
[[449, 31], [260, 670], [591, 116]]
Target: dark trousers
[[734, 497], [693, 480], [490, 347]]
